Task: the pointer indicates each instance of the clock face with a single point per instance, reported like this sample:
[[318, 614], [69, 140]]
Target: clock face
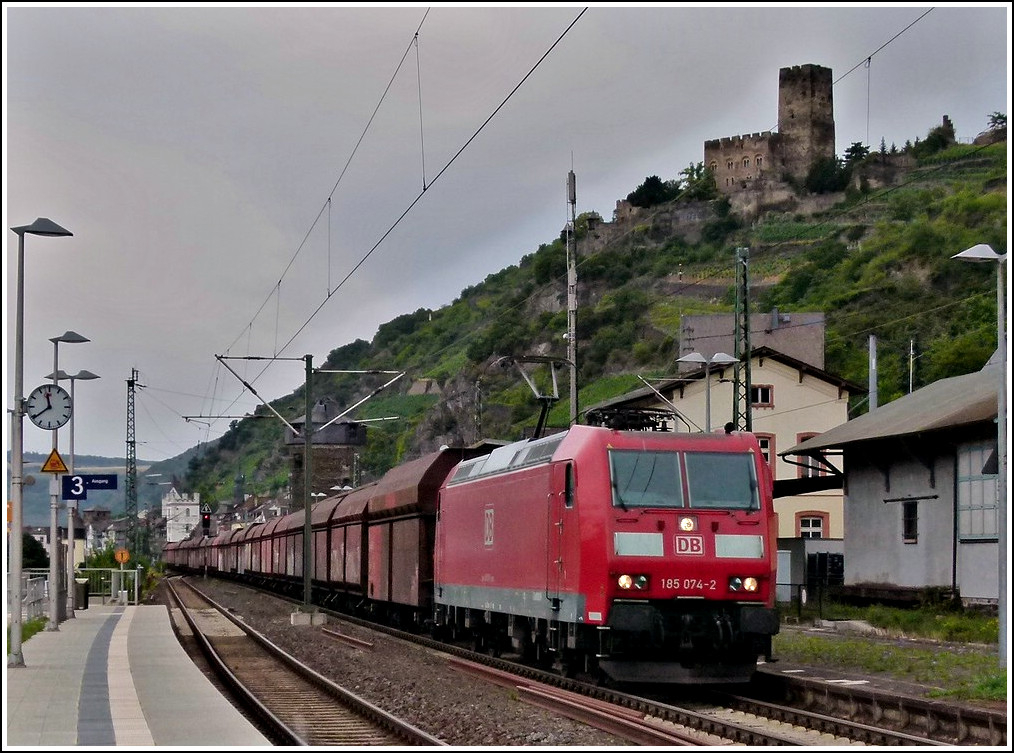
[[49, 406]]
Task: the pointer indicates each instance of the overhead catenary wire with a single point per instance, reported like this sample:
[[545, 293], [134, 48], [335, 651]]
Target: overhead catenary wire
[[420, 195]]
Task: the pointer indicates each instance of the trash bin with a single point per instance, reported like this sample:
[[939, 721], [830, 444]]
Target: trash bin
[[81, 592]]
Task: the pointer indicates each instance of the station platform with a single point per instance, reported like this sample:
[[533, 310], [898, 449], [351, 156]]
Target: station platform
[[116, 676]]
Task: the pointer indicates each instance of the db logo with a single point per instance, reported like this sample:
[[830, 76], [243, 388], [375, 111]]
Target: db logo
[[690, 545], [488, 527]]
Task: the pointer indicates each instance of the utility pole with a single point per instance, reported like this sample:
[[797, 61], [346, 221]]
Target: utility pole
[[911, 364], [572, 293], [741, 414], [307, 480], [874, 377], [131, 472]]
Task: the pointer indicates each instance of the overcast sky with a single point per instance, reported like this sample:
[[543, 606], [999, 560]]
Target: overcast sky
[[248, 180]]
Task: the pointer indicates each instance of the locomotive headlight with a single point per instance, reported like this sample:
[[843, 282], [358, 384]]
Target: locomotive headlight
[[688, 524], [742, 584], [637, 582]]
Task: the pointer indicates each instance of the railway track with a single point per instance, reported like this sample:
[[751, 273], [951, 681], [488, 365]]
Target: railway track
[[752, 721], [939, 721], [296, 705], [792, 711]]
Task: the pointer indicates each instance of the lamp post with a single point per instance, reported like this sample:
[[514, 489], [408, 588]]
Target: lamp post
[[723, 359], [56, 376], [45, 227], [54, 496], [983, 253]]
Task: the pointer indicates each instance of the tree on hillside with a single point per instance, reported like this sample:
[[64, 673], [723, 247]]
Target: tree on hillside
[[653, 191], [698, 183], [997, 121], [827, 175], [936, 140], [857, 152]]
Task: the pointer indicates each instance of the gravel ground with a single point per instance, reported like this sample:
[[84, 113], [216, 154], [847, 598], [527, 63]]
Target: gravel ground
[[408, 681]]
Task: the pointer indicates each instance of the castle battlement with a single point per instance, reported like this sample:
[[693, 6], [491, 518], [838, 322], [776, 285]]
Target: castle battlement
[[734, 141]]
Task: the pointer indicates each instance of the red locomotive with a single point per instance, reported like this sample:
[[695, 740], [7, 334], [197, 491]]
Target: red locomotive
[[637, 556]]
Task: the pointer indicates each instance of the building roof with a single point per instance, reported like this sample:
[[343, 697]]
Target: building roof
[[947, 403]]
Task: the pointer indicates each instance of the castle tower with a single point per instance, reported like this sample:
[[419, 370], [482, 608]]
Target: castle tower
[[805, 117]]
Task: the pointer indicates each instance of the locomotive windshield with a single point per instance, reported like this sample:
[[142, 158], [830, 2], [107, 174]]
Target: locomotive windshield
[[645, 479], [721, 480], [653, 479]]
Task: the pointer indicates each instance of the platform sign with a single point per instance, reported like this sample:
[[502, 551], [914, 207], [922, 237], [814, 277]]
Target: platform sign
[[122, 556], [77, 486]]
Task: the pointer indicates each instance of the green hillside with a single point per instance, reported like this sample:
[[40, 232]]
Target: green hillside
[[874, 260]]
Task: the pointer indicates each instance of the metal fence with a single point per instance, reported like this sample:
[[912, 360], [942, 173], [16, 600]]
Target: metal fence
[[34, 594], [110, 584], [107, 584]]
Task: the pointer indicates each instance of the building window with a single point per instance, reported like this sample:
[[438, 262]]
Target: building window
[[810, 467], [729, 164], [910, 521], [977, 512], [811, 525], [713, 166], [767, 448], [762, 396], [757, 160], [746, 162]]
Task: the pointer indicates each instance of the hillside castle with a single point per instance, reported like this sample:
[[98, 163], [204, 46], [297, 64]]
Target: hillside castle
[[805, 134]]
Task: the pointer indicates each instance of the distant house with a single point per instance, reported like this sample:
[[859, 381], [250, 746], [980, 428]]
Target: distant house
[[96, 521], [181, 514], [920, 490]]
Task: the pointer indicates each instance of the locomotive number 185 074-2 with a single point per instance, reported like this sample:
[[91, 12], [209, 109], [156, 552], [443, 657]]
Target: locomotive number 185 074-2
[[689, 584]]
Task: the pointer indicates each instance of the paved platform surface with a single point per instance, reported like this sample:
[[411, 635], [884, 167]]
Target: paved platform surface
[[116, 676]]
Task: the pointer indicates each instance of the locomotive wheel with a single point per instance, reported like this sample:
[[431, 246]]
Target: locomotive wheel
[[603, 680], [543, 656], [567, 664]]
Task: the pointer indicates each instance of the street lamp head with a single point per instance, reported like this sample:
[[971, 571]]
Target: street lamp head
[[42, 226], [716, 358], [722, 358], [60, 375], [69, 337], [981, 253], [692, 358], [85, 374]]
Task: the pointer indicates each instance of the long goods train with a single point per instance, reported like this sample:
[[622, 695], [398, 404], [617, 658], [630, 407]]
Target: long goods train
[[637, 556]]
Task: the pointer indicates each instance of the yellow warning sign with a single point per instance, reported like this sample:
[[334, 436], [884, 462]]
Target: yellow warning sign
[[54, 463]]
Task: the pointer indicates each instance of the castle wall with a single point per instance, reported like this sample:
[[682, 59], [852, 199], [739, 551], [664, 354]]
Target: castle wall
[[738, 161]]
